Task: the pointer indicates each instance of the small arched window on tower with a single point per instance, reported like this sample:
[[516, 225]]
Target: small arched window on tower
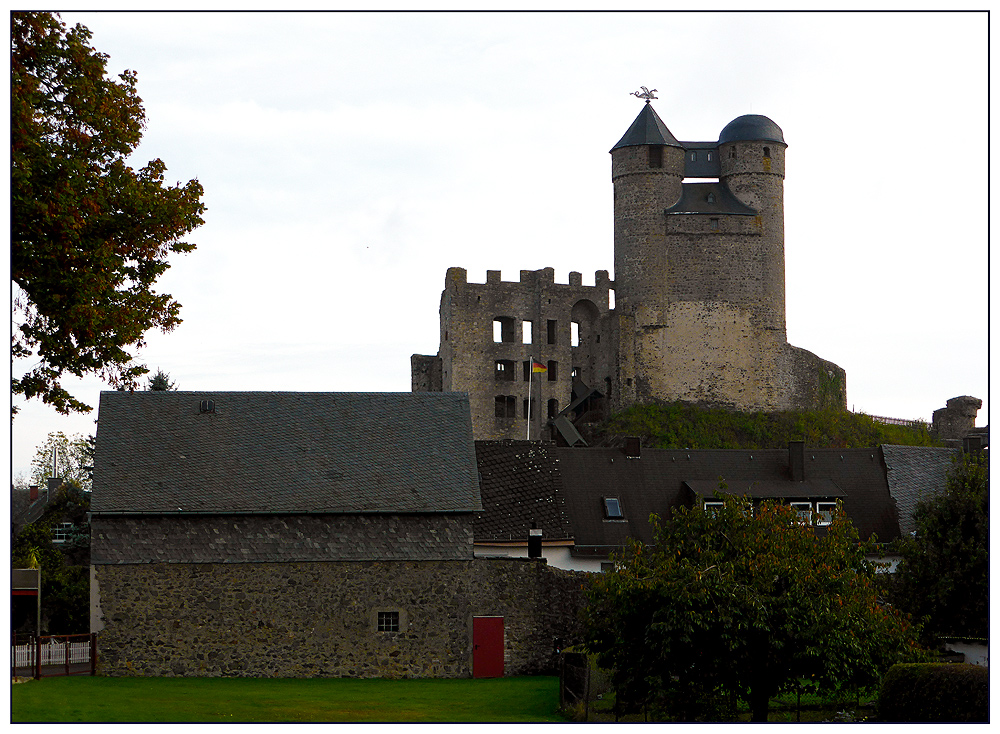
[[656, 156], [732, 151], [767, 152]]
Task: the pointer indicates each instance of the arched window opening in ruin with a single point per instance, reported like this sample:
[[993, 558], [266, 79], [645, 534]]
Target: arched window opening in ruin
[[553, 408], [503, 329], [526, 332], [504, 370], [553, 371]]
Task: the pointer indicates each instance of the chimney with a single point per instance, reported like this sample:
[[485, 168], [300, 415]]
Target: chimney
[[633, 447], [797, 460], [534, 542]]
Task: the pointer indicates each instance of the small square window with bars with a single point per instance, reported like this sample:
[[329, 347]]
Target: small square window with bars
[[388, 621]]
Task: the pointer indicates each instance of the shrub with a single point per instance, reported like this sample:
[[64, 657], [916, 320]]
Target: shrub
[[935, 692]]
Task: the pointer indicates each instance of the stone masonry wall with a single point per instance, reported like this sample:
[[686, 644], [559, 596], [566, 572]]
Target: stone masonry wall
[[319, 619]]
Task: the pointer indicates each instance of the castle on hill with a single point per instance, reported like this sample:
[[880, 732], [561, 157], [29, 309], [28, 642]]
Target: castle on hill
[[698, 300]]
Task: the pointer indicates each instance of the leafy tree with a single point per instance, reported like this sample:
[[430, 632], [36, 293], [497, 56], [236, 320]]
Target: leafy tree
[[943, 577], [76, 459], [742, 603], [64, 566], [161, 382], [89, 235]]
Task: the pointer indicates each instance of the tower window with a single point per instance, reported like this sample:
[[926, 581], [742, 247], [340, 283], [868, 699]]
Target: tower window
[[503, 369], [732, 151], [503, 329], [656, 156], [505, 406], [574, 334], [526, 332], [551, 331], [553, 408], [529, 408], [553, 371], [767, 152], [388, 621]]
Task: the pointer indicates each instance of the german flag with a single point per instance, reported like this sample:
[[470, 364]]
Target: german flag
[[538, 367]]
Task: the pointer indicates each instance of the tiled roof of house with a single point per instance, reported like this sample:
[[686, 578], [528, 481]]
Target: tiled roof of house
[[915, 474], [520, 484], [284, 452], [662, 479]]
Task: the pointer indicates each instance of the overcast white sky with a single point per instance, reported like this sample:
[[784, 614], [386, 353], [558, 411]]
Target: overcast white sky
[[349, 159]]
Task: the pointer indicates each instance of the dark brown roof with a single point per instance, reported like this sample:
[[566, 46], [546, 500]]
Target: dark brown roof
[[519, 483], [272, 452], [663, 479]]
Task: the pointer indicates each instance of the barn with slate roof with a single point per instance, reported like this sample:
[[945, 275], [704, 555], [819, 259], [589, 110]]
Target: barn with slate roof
[[305, 534]]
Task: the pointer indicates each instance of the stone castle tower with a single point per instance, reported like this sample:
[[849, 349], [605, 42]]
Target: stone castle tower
[[699, 295]]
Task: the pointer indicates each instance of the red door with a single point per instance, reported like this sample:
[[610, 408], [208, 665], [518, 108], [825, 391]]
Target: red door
[[487, 647]]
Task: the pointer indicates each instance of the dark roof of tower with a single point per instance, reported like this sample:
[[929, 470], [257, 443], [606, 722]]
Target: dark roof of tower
[[695, 199], [647, 129], [284, 452], [751, 127]]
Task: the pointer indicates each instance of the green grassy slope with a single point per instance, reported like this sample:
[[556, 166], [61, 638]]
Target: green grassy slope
[[684, 425]]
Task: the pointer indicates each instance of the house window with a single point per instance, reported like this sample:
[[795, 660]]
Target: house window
[[503, 369], [388, 621], [61, 532], [612, 509], [553, 371], [803, 512], [732, 151], [712, 506], [551, 331], [505, 406], [824, 512], [607, 566], [713, 223]]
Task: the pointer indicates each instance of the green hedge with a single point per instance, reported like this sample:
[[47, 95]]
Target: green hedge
[[935, 692]]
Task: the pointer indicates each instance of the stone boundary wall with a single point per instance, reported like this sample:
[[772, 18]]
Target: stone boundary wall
[[303, 620]]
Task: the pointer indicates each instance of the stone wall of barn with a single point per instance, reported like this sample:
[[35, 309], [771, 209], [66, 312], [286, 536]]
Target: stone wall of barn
[[320, 619]]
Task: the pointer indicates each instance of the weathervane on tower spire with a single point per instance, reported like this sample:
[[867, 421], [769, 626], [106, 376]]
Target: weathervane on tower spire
[[646, 94]]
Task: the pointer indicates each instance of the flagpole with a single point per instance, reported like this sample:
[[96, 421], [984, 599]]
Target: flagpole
[[527, 413]]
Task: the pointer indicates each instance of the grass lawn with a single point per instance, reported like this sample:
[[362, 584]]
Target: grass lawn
[[97, 699]]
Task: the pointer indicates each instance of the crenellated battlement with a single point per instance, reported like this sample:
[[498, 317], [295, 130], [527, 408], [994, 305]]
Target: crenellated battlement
[[459, 276]]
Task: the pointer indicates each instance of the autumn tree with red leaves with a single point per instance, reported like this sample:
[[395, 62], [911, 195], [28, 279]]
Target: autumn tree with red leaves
[[89, 235]]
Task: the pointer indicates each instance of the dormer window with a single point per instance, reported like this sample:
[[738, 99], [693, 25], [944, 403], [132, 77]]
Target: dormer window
[[612, 509], [710, 198]]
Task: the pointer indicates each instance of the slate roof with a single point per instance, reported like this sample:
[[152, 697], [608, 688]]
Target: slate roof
[[520, 484], [284, 452], [647, 129], [915, 474], [751, 127], [694, 200]]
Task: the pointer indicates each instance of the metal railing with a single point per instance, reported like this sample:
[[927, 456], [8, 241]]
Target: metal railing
[[51, 655]]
